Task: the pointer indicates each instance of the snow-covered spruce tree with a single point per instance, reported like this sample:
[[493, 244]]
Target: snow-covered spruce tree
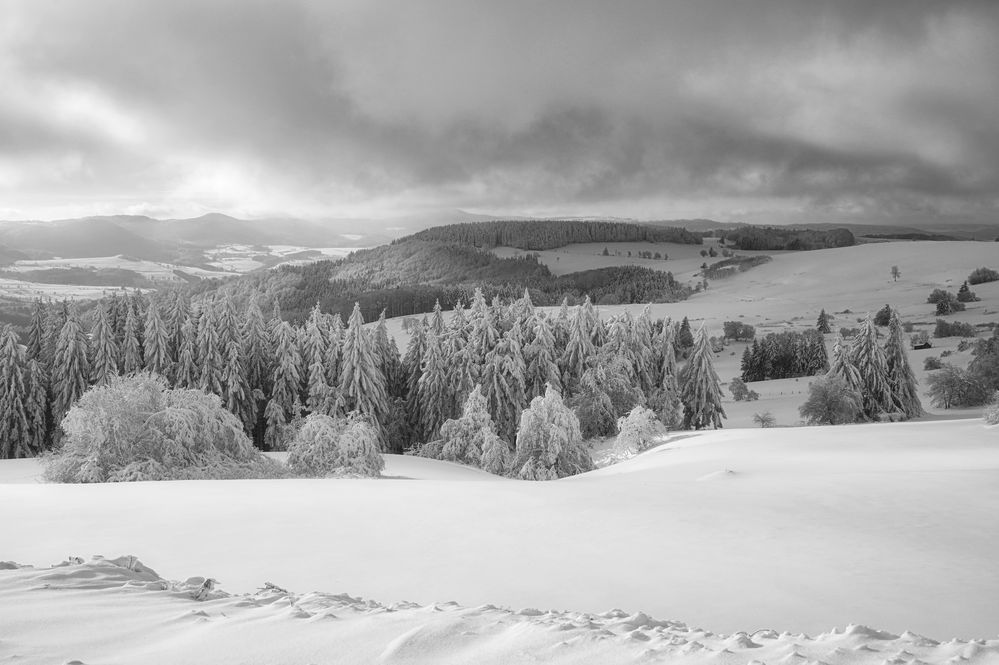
[[645, 357], [362, 386], [55, 319], [412, 367], [503, 385], [15, 431], [539, 357], [822, 325], [334, 349], [868, 357], [211, 361], [700, 389], [36, 332], [831, 401], [71, 367], [388, 359], [315, 338], [236, 393], [156, 349], [549, 443], [433, 388], [591, 322], [186, 374], [36, 404], [131, 344], [684, 338], [482, 336], [458, 355], [284, 381], [843, 368], [606, 391], [256, 348], [901, 380], [177, 313], [463, 439], [103, 348], [815, 360], [665, 397], [135, 428], [341, 446], [638, 431], [578, 350], [319, 395]]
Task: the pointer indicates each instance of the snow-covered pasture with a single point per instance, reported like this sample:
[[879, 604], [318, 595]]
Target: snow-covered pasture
[[894, 526]]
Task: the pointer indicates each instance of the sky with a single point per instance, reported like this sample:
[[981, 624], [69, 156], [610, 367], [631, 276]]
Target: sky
[[762, 110]]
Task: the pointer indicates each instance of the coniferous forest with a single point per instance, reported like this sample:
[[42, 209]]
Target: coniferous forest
[[499, 355], [538, 235], [482, 385]]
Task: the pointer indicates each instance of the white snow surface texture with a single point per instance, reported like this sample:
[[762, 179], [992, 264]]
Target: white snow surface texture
[[799, 530]]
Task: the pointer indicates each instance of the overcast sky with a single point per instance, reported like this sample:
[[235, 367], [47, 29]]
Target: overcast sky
[[783, 110]]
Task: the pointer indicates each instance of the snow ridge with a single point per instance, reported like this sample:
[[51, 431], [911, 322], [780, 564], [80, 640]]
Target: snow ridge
[[258, 627]]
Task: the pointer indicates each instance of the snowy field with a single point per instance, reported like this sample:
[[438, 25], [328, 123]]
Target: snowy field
[[798, 530]]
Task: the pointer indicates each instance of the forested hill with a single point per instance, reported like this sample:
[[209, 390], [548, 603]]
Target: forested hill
[[408, 277], [768, 238], [537, 235]]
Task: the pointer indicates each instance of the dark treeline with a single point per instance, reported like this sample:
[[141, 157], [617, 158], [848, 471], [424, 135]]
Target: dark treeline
[[407, 278], [537, 235], [768, 238], [912, 236], [270, 373], [733, 265], [785, 355]]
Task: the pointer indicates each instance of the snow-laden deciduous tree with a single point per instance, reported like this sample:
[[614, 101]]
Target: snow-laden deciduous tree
[[463, 439], [135, 428], [700, 389], [15, 427], [831, 401], [549, 442], [328, 446], [901, 379], [639, 430]]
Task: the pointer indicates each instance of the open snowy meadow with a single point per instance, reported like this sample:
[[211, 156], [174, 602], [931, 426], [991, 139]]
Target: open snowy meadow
[[728, 546]]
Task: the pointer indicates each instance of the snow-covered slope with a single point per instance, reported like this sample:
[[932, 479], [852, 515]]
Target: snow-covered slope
[[894, 526], [120, 611]]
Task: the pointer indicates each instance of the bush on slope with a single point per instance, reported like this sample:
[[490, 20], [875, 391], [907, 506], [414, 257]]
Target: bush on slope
[[326, 446]]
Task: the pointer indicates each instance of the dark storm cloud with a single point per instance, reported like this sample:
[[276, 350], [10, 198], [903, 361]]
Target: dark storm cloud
[[564, 106]]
